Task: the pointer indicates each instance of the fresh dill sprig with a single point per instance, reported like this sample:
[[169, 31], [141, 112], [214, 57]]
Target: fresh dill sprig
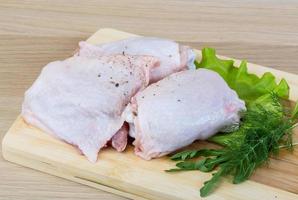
[[263, 129]]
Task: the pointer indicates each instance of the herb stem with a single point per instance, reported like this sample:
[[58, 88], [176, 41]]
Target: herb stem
[[295, 125], [284, 146]]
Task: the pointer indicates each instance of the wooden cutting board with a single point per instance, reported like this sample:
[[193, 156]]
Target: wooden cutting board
[[129, 176]]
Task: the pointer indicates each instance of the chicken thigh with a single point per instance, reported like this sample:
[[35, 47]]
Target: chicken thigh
[[176, 111], [81, 100], [173, 57]]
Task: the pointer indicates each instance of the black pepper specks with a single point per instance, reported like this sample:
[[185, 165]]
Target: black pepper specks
[[143, 97], [123, 53], [116, 84], [179, 100], [99, 75]]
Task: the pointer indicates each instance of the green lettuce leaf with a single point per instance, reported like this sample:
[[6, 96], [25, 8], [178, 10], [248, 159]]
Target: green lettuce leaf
[[248, 86]]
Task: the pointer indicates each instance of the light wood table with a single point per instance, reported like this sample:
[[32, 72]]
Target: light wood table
[[33, 33]]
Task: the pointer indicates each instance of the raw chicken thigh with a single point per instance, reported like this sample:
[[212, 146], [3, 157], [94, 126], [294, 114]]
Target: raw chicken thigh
[[180, 109], [80, 100], [173, 57]]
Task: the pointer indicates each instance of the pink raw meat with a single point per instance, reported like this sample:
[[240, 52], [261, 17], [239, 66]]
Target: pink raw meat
[[80, 100], [173, 56], [119, 140], [176, 111]]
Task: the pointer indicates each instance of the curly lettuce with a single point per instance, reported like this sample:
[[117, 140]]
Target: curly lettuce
[[248, 86]]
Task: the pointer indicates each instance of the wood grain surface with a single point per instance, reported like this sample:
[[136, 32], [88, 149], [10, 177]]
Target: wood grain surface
[[33, 33]]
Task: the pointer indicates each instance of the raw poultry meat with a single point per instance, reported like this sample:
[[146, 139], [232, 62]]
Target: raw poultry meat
[[80, 100], [176, 111], [173, 56], [119, 140]]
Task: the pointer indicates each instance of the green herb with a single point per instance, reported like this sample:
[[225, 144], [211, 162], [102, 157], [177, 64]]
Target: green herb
[[295, 111], [261, 133], [268, 104], [265, 128], [248, 86]]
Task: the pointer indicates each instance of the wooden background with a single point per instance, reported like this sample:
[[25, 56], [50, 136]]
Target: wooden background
[[33, 33]]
